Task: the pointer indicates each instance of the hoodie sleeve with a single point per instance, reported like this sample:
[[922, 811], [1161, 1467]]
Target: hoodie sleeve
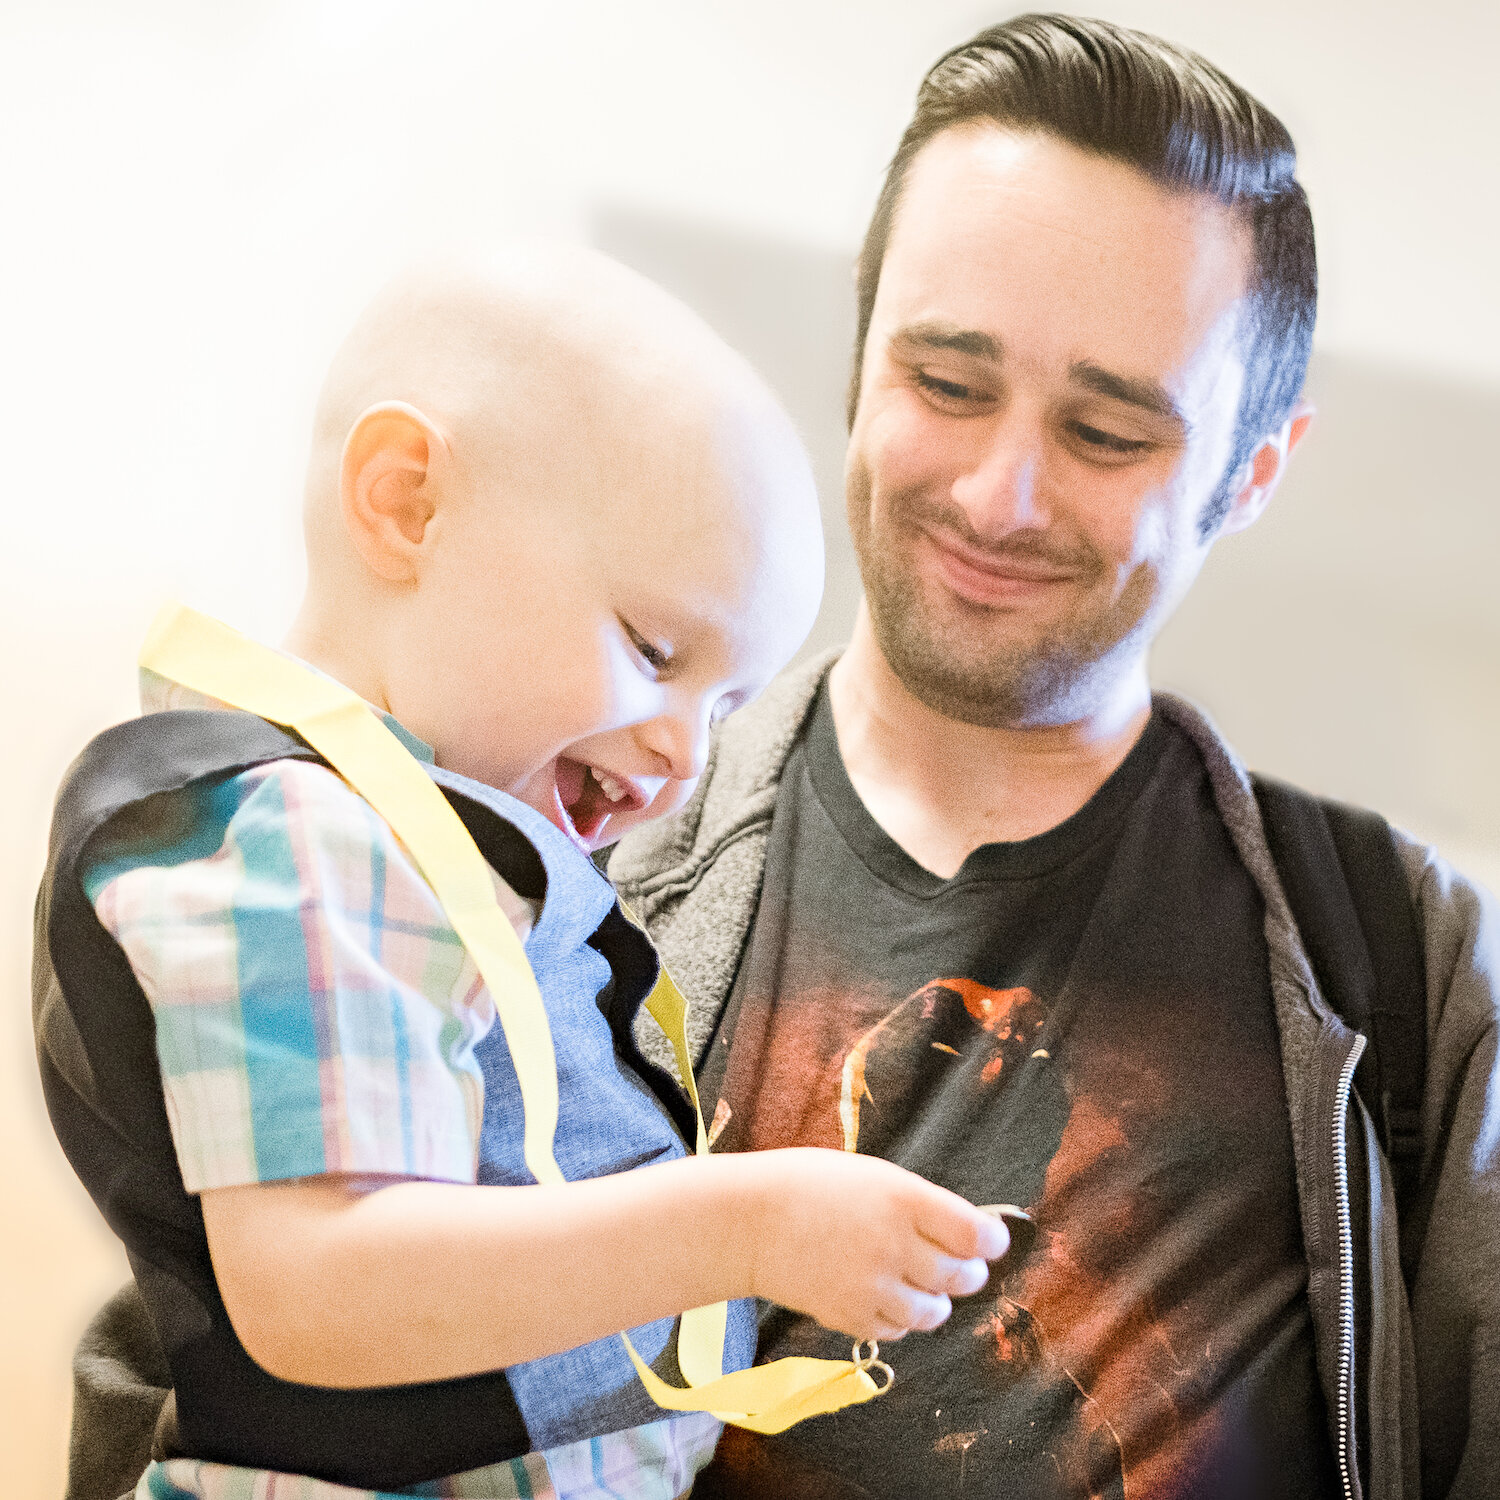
[[1456, 1288]]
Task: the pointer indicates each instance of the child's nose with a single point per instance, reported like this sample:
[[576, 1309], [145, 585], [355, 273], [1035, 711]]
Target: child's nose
[[681, 740]]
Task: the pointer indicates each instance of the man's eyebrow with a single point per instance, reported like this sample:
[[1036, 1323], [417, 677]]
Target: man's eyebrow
[[935, 333], [1146, 394]]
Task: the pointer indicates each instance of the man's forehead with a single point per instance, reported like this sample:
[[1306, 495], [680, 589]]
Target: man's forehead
[[1039, 245]]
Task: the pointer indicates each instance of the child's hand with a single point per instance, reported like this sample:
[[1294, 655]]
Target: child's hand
[[865, 1246]]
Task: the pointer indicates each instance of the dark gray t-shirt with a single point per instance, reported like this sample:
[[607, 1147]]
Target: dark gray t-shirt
[[1080, 1024]]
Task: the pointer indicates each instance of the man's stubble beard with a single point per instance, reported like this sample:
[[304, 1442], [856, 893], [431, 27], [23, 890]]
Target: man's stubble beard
[[1054, 676]]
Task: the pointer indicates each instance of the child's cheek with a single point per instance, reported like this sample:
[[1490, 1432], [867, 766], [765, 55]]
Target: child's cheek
[[671, 797]]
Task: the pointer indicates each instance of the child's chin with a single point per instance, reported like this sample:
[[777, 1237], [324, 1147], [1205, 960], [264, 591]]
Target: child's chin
[[605, 837]]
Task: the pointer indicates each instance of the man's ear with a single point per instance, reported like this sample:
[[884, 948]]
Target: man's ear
[[388, 489], [1263, 473]]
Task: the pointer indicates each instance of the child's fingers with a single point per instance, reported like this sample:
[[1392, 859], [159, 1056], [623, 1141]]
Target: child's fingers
[[933, 1270], [955, 1225], [909, 1307], [967, 1277]]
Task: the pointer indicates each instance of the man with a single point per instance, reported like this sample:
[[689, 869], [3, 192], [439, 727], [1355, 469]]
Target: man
[[973, 901]]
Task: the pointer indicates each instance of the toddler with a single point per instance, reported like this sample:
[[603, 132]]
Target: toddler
[[555, 529]]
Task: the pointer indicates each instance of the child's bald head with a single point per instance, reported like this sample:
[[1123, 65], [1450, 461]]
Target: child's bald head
[[548, 510]]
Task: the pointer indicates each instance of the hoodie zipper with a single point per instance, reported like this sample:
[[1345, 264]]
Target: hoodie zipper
[[1346, 1266]]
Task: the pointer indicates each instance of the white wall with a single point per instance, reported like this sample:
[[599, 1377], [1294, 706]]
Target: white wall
[[197, 197]]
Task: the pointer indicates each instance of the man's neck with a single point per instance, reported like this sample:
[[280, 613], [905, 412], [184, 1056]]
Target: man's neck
[[941, 788]]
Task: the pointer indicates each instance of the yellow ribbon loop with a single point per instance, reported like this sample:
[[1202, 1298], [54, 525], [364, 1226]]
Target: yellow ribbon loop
[[210, 658]]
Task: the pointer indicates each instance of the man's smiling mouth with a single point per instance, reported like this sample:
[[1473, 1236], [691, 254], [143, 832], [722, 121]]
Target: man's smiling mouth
[[586, 797], [994, 579]]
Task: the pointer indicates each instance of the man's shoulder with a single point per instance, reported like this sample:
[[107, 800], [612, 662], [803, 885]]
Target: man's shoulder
[[1458, 919], [1460, 927], [738, 789]]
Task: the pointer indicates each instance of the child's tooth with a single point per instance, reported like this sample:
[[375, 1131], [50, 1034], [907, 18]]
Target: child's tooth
[[608, 785]]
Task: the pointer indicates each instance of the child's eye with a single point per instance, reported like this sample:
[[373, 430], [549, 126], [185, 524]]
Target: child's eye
[[658, 658]]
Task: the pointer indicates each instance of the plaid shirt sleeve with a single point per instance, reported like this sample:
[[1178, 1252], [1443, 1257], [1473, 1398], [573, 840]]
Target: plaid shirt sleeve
[[314, 1010]]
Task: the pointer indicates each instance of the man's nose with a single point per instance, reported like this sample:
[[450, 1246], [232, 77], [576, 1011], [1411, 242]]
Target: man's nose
[[1000, 490]]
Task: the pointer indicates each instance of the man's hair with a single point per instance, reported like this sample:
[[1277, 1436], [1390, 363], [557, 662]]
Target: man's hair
[[1173, 116]]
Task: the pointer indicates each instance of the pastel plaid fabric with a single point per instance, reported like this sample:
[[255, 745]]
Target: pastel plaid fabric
[[657, 1461], [314, 1010]]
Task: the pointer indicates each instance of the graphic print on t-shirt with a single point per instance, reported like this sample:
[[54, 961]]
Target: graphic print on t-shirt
[[1079, 1025], [1007, 1019], [958, 1018]]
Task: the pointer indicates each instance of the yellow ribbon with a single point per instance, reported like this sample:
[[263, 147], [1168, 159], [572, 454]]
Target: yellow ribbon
[[210, 658]]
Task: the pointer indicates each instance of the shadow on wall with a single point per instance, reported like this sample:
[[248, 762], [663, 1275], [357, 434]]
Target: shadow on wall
[[1350, 641]]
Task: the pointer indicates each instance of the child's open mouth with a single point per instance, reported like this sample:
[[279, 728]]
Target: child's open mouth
[[587, 797]]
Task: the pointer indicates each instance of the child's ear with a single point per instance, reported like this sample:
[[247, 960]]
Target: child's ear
[[386, 488]]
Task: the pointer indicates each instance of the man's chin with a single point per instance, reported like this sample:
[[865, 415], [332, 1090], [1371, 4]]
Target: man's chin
[[993, 702], [1008, 669], [1001, 687]]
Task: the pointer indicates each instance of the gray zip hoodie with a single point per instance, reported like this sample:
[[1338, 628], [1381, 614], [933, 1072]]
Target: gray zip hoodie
[[1430, 1379]]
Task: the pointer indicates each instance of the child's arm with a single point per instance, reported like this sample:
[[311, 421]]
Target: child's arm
[[329, 1284]]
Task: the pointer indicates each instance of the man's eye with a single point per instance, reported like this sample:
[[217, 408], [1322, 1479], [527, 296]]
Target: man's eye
[[658, 658], [946, 390], [1096, 437]]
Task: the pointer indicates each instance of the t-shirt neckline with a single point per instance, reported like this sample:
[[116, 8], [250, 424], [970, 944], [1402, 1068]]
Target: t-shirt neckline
[[1021, 859]]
